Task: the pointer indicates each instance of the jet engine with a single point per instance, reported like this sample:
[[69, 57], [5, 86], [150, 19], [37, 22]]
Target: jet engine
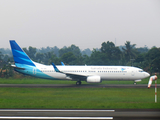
[[93, 79]]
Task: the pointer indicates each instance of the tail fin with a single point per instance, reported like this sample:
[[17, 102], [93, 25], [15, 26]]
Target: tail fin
[[19, 55]]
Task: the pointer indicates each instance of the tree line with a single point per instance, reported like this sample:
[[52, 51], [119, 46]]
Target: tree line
[[108, 54]]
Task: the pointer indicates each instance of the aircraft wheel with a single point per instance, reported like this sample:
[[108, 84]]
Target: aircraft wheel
[[78, 83]]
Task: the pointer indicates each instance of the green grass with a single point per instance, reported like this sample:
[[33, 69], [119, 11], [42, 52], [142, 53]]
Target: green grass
[[31, 80], [76, 98], [79, 98]]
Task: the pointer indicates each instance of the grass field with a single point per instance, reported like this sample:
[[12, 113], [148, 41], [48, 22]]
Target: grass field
[[79, 98], [76, 98]]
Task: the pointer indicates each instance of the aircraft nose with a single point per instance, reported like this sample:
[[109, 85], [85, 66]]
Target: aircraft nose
[[147, 74]]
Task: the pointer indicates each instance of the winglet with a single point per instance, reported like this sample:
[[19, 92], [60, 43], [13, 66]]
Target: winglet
[[55, 68], [62, 64]]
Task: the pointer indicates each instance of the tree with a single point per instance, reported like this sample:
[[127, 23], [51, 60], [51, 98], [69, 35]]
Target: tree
[[129, 51], [1, 55], [143, 49], [47, 56], [6, 51], [55, 49], [69, 58], [31, 52], [26, 50], [86, 60], [40, 57], [1, 59], [111, 52], [87, 52], [98, 58], [107, 47], [74, 49], [54, 59], [153, 58]]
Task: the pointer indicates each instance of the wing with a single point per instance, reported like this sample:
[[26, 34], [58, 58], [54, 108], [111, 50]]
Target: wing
[[71, 75]]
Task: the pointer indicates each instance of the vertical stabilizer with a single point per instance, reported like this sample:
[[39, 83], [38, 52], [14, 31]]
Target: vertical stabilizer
[[19, 55]]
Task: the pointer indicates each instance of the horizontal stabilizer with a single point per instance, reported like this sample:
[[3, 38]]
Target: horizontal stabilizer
[[17, 67]]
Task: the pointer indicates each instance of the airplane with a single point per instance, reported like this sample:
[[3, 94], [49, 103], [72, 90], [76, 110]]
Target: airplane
[[90, 74]]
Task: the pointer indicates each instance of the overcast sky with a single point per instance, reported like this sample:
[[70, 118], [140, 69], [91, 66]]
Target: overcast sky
[[85, 23]]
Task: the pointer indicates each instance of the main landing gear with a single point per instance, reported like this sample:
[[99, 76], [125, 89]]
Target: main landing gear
[[78, 83], [135, 83]]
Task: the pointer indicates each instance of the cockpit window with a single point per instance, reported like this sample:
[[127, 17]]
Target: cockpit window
[[140, 70]]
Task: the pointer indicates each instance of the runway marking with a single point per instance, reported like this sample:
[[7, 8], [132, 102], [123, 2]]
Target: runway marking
[[17, 110], [14, 117]]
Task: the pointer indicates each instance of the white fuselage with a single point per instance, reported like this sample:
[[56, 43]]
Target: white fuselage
[[105, 72]]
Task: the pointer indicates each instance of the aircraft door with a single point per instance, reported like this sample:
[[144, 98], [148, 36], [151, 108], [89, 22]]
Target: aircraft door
[[34, 71], [132, 73]]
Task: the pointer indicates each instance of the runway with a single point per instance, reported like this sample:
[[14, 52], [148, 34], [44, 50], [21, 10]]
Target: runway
[[79, 114], [78, 86]]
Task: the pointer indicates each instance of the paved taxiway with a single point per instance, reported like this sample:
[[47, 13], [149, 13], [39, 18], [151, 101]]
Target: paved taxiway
[[83, 85], [79, 114]]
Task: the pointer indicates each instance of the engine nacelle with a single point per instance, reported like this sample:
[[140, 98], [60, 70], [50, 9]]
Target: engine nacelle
[[137, 80], [93, 79]]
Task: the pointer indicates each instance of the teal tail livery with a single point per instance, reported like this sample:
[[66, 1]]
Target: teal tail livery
[[90, 74], [20, 57], [24, 64]]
